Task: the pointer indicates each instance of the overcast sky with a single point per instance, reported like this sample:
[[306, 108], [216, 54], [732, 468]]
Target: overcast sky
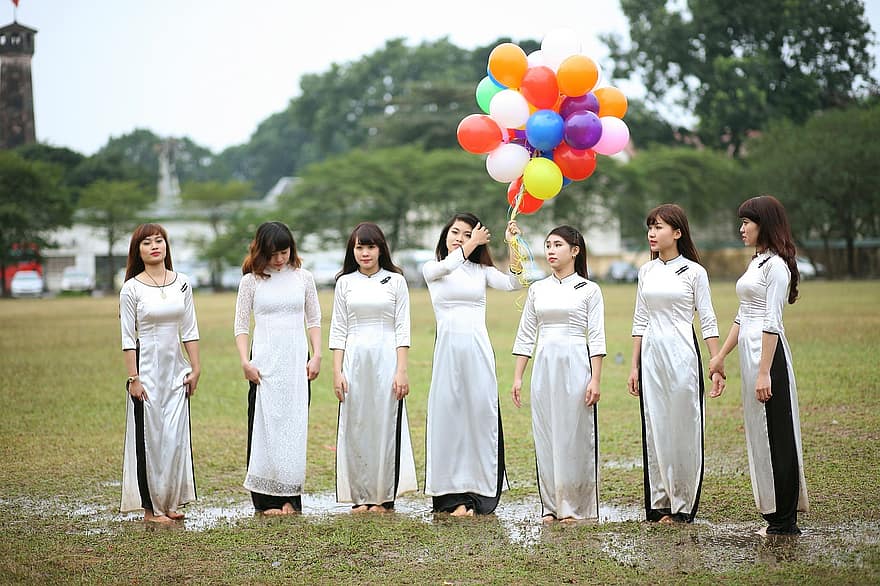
[[213, 69]]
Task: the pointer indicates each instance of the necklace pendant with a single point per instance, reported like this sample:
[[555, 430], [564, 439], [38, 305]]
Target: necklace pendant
[[162, 293]]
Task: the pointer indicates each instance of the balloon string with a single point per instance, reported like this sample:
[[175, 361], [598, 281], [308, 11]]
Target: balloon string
[[521, 253]]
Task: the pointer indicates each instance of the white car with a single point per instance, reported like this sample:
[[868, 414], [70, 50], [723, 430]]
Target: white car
[[808, 269], [76, 280], [26, 284]]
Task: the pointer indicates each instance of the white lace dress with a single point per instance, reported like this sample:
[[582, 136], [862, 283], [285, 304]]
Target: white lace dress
[[283, 306]]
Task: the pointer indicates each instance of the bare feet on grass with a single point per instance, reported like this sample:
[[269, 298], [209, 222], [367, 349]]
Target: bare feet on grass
[[273, 512], [667, 520], [548, 519], [462, 511], [288, 509], [175, 516], [378, 509], [360, 509], [149, 517]]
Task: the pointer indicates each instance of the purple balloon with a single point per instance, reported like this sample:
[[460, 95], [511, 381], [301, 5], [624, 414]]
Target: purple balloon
[[586, 102], [582, 130]]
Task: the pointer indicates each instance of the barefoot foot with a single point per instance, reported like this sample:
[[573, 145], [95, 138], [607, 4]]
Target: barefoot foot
[[548, 519], [273, 512], [462, 511], [174, 515], [288, 509], [360, 509]]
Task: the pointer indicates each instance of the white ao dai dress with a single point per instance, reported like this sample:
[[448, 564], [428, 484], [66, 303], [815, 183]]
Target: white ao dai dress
[[374, 456], [155, 320], [566, 319], [463, 428], [283, 305], [671, 383], [773, 429]]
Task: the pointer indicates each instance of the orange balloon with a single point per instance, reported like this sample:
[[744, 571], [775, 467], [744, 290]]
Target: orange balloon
[[612, 102], [577, 75], [508, 64]]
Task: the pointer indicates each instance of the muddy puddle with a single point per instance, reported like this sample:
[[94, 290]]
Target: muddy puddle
[[686, 548]]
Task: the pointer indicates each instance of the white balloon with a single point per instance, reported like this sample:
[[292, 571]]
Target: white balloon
[[536, 59], [509, 109], [558, 45], [507, 162]]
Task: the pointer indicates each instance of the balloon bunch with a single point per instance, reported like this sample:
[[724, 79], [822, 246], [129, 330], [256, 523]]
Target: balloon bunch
[[544, 119]]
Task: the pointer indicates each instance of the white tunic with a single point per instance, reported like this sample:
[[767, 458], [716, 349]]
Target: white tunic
[[462, 428], [672, 398], [762, 292], [567, 319], [281, 305], [373, 448], [157, 326]]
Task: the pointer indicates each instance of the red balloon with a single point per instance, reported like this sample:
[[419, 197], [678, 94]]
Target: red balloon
[[529, 204], [479, 134], [539, 87], [576, 164]]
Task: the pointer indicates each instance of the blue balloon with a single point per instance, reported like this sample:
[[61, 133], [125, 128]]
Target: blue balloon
[[544, 129]]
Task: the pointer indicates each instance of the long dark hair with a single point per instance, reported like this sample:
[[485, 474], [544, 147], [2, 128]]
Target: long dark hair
[[135, 264], [573, 238], [367, 233], [271, 237], [674, 215], [774, 233], [480, 255]]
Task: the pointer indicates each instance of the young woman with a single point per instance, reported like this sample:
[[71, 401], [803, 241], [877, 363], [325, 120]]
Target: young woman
[[770, 405], [564, 314], [465, 443], [283, 300], [667, 374], [156, 313], [370, 337]]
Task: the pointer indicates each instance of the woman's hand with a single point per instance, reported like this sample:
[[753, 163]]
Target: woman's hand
[[516, 391], [400, 385], [313, 367], [480, 235], [763, 392], [137, 390], [340, 386], [512, 231], [251, 372], [718, 385], [716, 365], [632, 383], [592, 396], [191, 381]]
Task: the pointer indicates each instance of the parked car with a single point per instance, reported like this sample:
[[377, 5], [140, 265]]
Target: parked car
[[76, 280], [26, 284], [809, 269], [622, 272], [324, 267], [411, 260], [230, 278]]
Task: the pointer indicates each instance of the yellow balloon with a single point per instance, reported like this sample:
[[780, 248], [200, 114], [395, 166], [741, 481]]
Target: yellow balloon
[[542, 178]]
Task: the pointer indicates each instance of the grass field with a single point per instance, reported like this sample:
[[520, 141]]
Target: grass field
[[61, 433]]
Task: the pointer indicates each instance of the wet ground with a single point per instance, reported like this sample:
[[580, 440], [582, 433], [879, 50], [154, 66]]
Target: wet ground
[[709, 546]]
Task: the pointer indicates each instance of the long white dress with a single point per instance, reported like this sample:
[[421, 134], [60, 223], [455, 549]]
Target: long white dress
[[283, 306], [374, 456], [773, 429], [567, 321], [462, 445], [671, 383], [155, 320]]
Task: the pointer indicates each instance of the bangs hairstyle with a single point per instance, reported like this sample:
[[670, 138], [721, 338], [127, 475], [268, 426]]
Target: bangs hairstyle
[[480, 255], [367, 233], [774, 233], [674, 215], [135, 264], [574, 238], [271, 237]]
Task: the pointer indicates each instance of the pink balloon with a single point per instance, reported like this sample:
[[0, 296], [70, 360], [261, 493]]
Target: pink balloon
[[615, 136]]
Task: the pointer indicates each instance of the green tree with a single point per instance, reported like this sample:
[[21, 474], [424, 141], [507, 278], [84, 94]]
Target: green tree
[[113, 208], [32, 204], [737, 66], [825, 173], [215, 202]]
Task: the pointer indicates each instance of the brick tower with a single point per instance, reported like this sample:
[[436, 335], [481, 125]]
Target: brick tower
[[16, 91]]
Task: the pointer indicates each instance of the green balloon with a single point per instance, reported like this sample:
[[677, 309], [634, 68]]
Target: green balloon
[[486, 90]]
